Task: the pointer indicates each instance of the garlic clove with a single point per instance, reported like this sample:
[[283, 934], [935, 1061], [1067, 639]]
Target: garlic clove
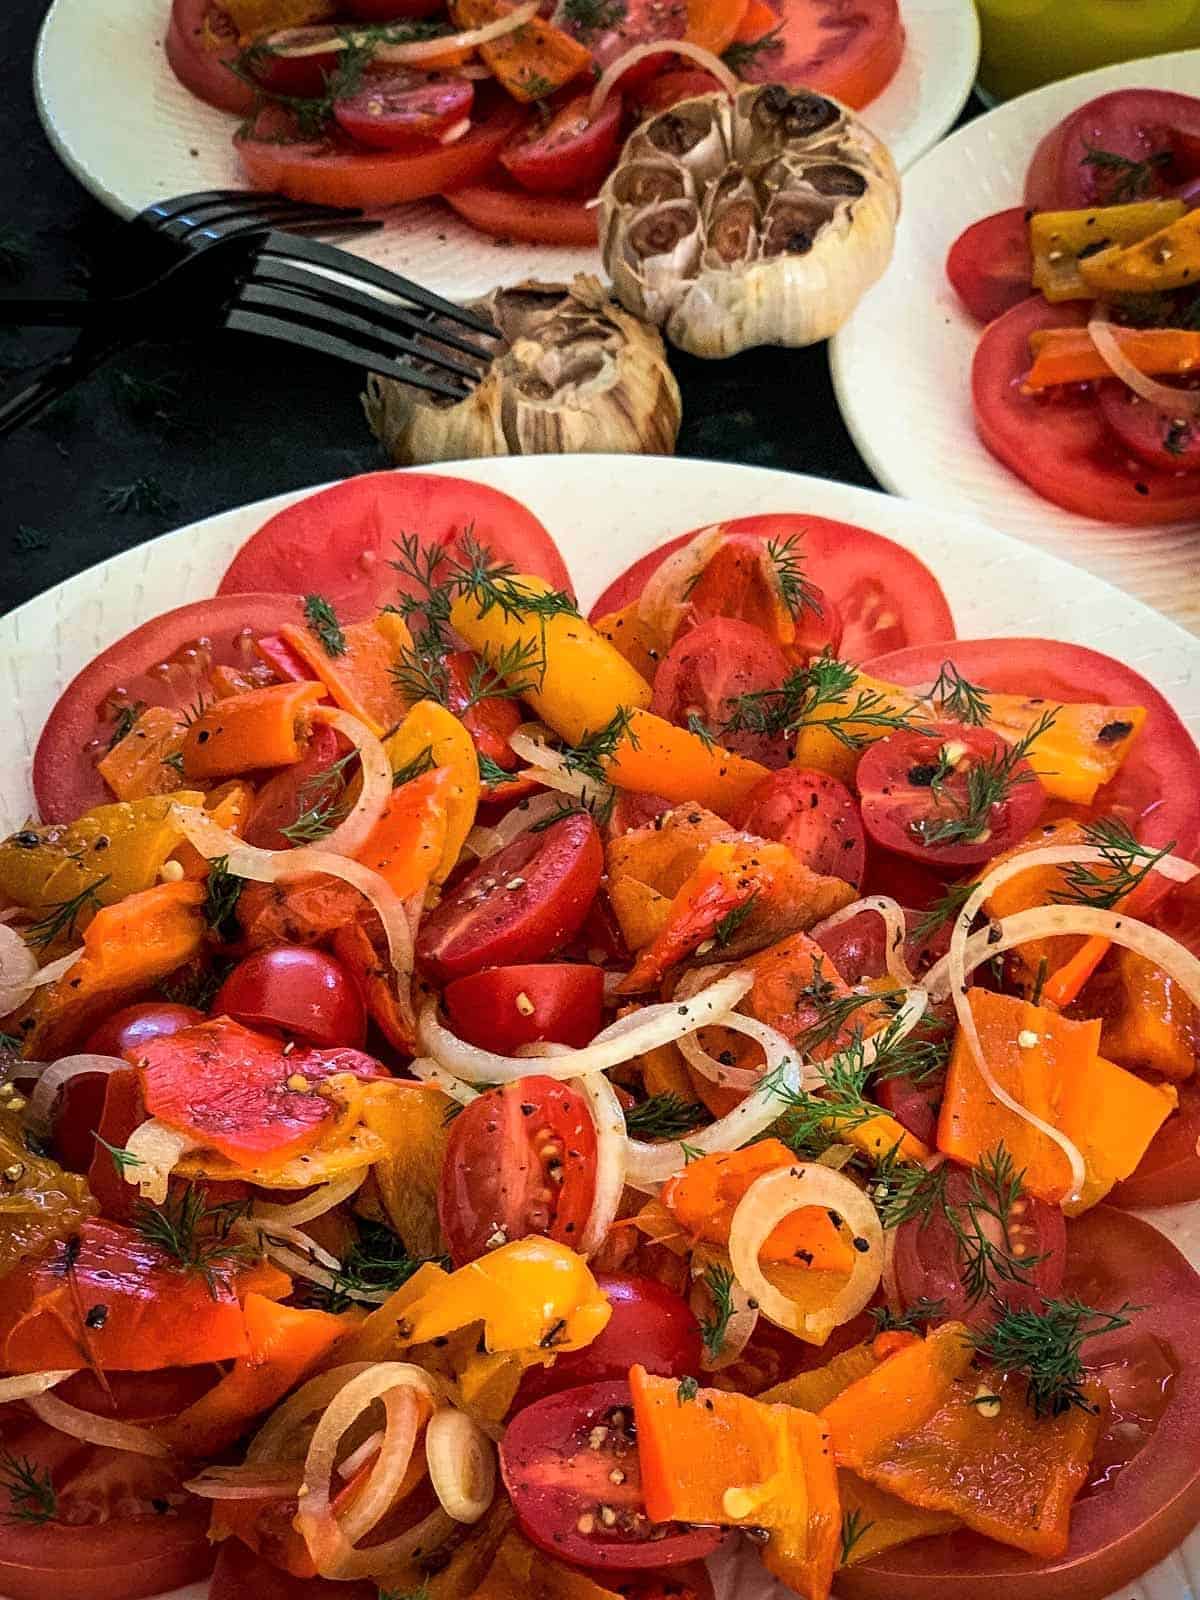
[[731, 220]]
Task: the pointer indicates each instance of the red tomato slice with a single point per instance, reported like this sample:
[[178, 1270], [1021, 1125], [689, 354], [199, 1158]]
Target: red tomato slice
[[511, 213], [991, 264], [857, 947], [202, 45], [304, 993], [239, 1572], [123, 1526], [285, 797], [1058, 441], [519, 905], [332, 176], [232, 1089], [669, 88], [303, 77], [341, 541], [1130, 1515], [1153, 791], [558, 1479], [503, 1008], [521, 1160], [165, 662], [704, 672], [1169, 1172], [884, 596], [851, 52], [1150, 126], [144, 1397], [572, 152], [394, 108], [740, 580], [815, 816], [1158, 437], [911, 802], [634, 22]]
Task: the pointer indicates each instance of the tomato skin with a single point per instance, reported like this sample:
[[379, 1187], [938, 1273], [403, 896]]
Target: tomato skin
[[483, 922], [815, 815], [393, 109], [490, 721], [489, 1008], [130, 1027], [304, 77], [1135, 123], [553, 1475], [649, 1324], [511, 213], [991, 264], [571, 153], [206, 72], [283, 798], [1169, 1173], [707, 668], [298, 990], [1145, 429], [496, 1168], [849, 52]]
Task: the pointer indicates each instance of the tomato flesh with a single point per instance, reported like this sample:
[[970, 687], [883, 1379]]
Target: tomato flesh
[[704, 673], [393, 109], [991, 264], [573, 152], [1159, 437], [302, 992], [815, 815], [283, 799], [1151, 126], [507, 212], [503, 1008], [201, 46], [521, 1159], [851, 52]]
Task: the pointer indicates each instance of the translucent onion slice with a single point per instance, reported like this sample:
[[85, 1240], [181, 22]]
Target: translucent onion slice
[[275, 1440], [611, 1147], [310, 1261], [404, 1414], [895, 931], [484, 841], [739, 1329], [694, 1052], [1181, 403], [247, 1483], [670, 47], [429, 1072], [663, 602], [20, 974], [95, 1430], [462, 1465], [530, 743], [764, 1206], [155, 1150], [39, 1113], [348, 838], [314, 1205], [294, 43], [26, 1384], [643, 1030]]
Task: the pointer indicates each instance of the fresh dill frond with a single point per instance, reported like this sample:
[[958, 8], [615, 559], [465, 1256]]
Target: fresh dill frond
[[198, 1238], [421, 673], [823, 694], [988, 783], [325, 803], [726, 927], [59, 920], [854, 1527], [1132, 179], [718, 1280], [589, 756], [664, 1116], [797, 592], [511, 673], [948, 908], [743, 54], [1046, 1348], [491, 773], [420, 764], [696, 725], [493, 585], [322, 620], [1126, 865], [30, 1490], [959, 698], [376, 1262], [839, 1102], [590, 17], [913, 1319], [122, 1159], [687, 1389], [222, 891], [123, 723]]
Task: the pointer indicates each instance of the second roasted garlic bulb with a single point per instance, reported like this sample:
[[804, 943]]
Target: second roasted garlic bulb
[[761, 220]]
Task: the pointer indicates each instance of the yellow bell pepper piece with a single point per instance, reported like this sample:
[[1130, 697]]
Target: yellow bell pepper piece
[[430, 727], [141, 763], [411, 1121], [1168, 259], [819, 748], [578, 680], [1059, 239]]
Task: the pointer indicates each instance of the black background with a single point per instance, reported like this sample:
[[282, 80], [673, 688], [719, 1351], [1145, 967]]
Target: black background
[[198, 429]]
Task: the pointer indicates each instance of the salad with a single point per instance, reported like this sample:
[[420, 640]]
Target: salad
[[514, 112], [500, 1102], [1084, 381]]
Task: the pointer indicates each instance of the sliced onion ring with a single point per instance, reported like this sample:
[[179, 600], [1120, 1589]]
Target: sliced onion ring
[[895, 931], [294, 43], [247, 1483], [275, 1440], [20, 974], [611, 1147], [155, 1150], [1181, 403], [429, 1072], [483, 841], [316, 1204], [739, 1328], [95, 1430], [26, 1384], [529, 742], [376, 770], [764, 1206], [39, 1113], [671, 47], [462, 1464]]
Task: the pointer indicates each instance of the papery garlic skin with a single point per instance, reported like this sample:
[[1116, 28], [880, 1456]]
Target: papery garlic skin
[[758, 221]]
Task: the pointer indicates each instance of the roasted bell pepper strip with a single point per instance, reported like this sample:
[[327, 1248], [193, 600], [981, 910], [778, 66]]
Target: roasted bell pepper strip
[[1050, 1065], [141, 763], [704, 1196], [244, 1094], [284, 1344], [1083, 748], [43, 1202], [1149, 1024], [360, 679], [1167, 260], [430, 728], [758, 20], [253, 18], [519, 1572], [407, 845], [355, 948], [413, 1125], [724, 1458], [1067, 355], [229, 806], [246, 732], [641, 645], [656, 757], [532, 62], [913, 1427], [647, 866], [641, 912], [1059, 240]]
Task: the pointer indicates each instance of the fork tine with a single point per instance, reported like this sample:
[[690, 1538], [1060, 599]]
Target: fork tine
[[240, 320], [302, 307], [335, 292], [164, 211], [319, 255], [229, 226]]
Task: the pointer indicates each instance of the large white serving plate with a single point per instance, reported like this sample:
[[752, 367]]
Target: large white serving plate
[[902, 365], [605, 511], [132, 134]]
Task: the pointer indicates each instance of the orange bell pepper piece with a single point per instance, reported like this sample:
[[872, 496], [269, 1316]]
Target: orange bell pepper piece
[[714, 24], [1149, 1024], [360, 679], [519, 1572], [432, 733], [656, 757], [405, 846], [533, 61], [758, 20], [229, 806], [354, 947], [1067, 355], [641, 645], [262, 728], [724, 1458], [140, 764]]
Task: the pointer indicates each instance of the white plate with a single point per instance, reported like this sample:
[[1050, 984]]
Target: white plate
[[132, 134], [902, 365], [605, 511]]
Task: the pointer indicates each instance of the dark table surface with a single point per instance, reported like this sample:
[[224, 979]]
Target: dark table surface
[[172, 434]]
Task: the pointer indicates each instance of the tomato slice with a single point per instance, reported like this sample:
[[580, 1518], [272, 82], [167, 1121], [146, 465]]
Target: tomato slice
[[1144, 1495], [561, 1473], [624, 24], [132, 1026], [519, 905], [341, 541], [1169, 1172], [503, 1008], [885, 597], [507, 212], [392, 109], [914, 788], [1150, 126], [521, 1159], [857, 947], [572, 152], [851, 52], [704, 672], [283, 799], [304, 993], [165, 662], [815, 816], [991, 264], [1160, 438], [202, 44], [1058, 441], [492, 720]]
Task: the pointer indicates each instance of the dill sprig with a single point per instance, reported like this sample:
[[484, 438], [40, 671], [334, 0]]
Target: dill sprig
[[420, 764], [145, 496], [797, 592], [696, 725], [741, 55], [322, 620], [491, 773], [912, 1319], [982, 1227], [420, 564], [590, 17], [420, 674], [222, 890], [60, 919], [325, 803], [725, 929], [30, 1490], [195, 984], [1126, 865], [840, 1101], [718, 1280], [493, 585], [1046, 1348], [121, 1158], [909, 1192], [688, 1389], [124, 721], [197, 1237], [834, 1011], [664, 1116], [958, 698], [826, 686], [854, 1527], [594, 749], [900, 1054], [508, 675], [988, 783], [1131, 179], [946, 909], [376, 1262]]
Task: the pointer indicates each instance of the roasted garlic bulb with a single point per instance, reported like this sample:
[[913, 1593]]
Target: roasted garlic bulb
[[761, 220], [574, 373]]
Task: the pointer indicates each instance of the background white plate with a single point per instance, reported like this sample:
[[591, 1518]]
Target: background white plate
[[902, 365], [132, 134], [605, 511]]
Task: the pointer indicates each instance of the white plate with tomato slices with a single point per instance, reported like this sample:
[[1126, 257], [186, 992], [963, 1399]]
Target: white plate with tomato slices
[[902, 367], [899, 575], [138, 136]]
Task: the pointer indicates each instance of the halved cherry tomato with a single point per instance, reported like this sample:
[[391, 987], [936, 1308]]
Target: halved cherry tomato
[[300, 991], [991, 264], [1153, 126], [848, 51], [201, 46], [1160, 438], [492, 720], [572, 152], [521, 904], [857, 947], [165, 662], [649, 1323], [283, 799], [705, 671], [814, 815], [511, 213], [521, 1159], [145, 1397], [1169, 1172], [503, 1008], [559, 1471], [133, 1025], [741, 579], [303, 77], [392, 109], [340, 541], [915, 796]]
